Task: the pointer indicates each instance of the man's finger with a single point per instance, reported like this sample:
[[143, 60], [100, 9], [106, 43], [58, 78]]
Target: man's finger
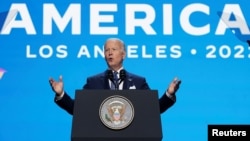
[[60, 78], [51, 80], [176, 80]]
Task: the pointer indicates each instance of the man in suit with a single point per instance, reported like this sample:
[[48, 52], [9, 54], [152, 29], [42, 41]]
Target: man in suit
[[115, 53]]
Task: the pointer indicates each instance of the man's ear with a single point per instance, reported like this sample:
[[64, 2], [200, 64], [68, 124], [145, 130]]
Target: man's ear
[[124, 55]]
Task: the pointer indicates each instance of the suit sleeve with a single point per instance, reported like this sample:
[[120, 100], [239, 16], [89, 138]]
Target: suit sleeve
[[165, 103], [66, 103]]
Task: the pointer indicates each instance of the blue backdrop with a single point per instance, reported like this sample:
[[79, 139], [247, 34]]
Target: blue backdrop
[[201, 42]]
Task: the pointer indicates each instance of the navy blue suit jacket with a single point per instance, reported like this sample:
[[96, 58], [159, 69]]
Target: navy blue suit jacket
[[101, 81]]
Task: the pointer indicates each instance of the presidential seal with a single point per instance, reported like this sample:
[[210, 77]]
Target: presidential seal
[[116, 112]]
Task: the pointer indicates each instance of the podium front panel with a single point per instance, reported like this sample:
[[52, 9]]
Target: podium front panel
[[88, 126]]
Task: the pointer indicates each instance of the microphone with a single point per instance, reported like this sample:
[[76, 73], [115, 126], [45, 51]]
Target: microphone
[[122, 75], [110, 75]]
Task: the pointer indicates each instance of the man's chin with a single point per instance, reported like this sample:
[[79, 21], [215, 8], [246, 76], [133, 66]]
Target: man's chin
[[112, 66]]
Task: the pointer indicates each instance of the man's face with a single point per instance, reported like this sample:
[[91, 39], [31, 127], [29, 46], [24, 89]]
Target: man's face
[[114, 54]]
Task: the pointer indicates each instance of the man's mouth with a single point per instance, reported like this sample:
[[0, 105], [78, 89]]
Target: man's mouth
[[110, 59]]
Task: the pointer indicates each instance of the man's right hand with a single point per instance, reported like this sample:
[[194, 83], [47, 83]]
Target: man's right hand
[[57, 87]]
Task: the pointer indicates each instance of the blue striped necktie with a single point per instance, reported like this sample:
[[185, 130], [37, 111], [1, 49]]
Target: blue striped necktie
[[115, 81]]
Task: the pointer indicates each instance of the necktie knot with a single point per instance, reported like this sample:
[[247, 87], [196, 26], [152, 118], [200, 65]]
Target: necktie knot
[[115, 76]]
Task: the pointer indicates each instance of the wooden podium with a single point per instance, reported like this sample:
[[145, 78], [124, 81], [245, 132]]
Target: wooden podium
[[88, 126]]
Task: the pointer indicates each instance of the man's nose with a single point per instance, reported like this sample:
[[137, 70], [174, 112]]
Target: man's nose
[[110, 52]]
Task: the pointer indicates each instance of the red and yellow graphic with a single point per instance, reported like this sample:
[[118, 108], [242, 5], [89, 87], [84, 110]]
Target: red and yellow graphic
[[2, 71]]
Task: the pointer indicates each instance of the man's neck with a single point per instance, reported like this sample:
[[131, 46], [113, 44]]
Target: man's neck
[[118, 70]]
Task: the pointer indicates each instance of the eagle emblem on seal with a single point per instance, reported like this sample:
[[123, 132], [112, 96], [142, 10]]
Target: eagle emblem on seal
[[116, 112]]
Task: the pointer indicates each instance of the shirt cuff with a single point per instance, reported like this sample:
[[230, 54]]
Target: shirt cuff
[[171, 96], [59, 97]]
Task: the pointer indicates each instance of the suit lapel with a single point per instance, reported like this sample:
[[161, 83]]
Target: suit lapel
[[125, 84], [128, 81], [106, 83]]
